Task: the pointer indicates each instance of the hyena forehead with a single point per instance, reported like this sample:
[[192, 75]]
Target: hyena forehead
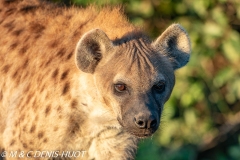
[[138, 59]]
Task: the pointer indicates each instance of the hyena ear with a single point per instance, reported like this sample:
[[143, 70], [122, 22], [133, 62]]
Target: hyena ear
[[91, 48], [175, 44]]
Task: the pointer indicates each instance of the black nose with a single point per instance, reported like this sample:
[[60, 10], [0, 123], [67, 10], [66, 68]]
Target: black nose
[[146, 122]]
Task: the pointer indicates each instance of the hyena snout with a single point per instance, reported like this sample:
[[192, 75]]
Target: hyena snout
[[144, 121]]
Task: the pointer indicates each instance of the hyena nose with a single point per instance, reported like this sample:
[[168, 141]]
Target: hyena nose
[[143, 122]]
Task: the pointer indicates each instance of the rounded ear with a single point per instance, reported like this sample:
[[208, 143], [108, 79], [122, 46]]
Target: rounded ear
[[91, 48], [175, 44]]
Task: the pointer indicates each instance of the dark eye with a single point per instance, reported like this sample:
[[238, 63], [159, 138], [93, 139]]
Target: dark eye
[[120, 87], [160, 86]]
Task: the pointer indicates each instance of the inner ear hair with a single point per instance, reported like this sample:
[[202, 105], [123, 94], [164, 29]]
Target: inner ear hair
[[96, 50], [91, 48], [175, 44]]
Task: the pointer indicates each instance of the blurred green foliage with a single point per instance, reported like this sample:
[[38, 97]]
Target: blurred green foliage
[[201, 120]]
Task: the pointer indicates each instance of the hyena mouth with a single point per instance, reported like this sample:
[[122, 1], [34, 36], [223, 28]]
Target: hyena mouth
[[143, 133], [141, 136]]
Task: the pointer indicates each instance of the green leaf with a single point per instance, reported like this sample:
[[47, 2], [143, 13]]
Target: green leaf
[[223, 76], [231, 47]]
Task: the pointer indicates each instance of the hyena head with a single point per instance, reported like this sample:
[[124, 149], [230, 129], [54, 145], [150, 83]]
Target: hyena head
[[134, 76]]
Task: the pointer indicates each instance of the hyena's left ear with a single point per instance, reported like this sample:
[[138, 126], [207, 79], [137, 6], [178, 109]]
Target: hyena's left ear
[[91, 48], [175, 44]]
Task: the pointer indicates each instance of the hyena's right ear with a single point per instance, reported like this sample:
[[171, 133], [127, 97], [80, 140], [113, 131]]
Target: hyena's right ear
[[91, 48]]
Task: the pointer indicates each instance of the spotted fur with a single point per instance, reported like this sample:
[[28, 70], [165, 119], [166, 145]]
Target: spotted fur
[[58, 68]]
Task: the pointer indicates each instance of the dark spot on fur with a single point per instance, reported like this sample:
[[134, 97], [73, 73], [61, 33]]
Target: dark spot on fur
[[37, 36], [9, 25], [74, 103], [6, 68], [74, 124], [53, 44], [25, 75], [22, 117], [55, 73], [15, 74], [16, 123], [55, 129], [32, 129], [65, 88], [27, 38], [27, 9], [13, 46], [25, 64], [1, 95], [29, 97], [9, 11], [17, 32], [77, 32], [12, 143], [61, 52], [36, 118], [64, 75], [1, 21], [45, 140], [43, 86], [18, 80], [36, 28], [47, 110], [69, 56], [34, 104], [7, 2], [48, 62], [24, 145], [69, 17], [40, 134], [59, 109], [27, 88], [24, 128], [14, 132], [47, 96], [23, 50]]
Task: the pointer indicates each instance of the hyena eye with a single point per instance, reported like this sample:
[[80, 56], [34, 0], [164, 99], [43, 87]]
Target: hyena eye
[[120, 87], [160, 86]]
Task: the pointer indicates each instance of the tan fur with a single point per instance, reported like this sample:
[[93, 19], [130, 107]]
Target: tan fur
[[47, 103]]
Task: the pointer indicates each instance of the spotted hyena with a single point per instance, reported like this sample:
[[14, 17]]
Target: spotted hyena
[[74, 79]]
